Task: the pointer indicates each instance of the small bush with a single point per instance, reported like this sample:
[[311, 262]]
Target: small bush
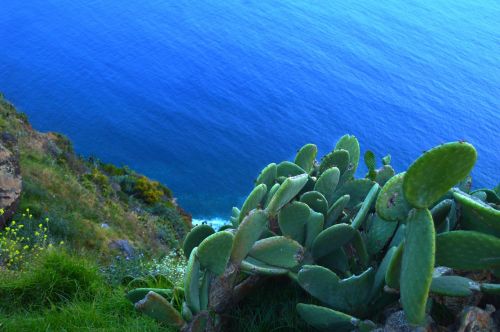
[[149, 191], [23, 240]]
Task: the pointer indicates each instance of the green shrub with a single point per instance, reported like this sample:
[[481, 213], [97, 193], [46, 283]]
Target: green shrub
[[149, 191]]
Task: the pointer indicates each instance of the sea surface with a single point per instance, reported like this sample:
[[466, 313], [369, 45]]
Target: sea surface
[[201, 95]]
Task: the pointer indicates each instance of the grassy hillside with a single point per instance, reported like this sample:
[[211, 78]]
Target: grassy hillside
[[89, 204], [83, 230]]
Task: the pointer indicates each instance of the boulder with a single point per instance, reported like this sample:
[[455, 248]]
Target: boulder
[[10, 184]]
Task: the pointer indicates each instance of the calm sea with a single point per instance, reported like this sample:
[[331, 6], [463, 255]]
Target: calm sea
[[202, 94]]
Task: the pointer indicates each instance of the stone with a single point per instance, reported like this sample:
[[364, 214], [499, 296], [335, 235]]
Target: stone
[[474, 319], [10, 184], [124, 246]]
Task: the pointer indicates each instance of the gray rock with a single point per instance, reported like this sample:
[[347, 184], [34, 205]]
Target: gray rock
[[124, 246], [10, 184]]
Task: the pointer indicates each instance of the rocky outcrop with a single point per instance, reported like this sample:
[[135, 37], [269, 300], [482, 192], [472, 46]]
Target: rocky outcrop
[[10, 183]]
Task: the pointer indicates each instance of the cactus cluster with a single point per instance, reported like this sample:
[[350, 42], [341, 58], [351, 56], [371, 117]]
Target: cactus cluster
[[356, 245]]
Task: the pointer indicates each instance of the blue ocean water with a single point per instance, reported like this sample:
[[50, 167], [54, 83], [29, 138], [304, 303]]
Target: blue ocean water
[[202, 95]]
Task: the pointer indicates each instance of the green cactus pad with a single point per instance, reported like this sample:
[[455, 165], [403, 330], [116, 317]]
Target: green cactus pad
[[467, 250], [359, 245], [386, 160], [477, 215], [271, 193], [441, 210], [267, 176], [436, 171], [288, 190], [338, 158], [391, 204], [214, 251], [235, 216], [398, 236], [157, 307], [306, 156], [253, 200], [393, 273], [253, 266], [351, 144], [314, 226], [490, 289], [453, 286], [370, 162], [288, 169], [379, 280], [192, 282], [326, 319], [365, 207], [336, 210], [417, 264], [316, 201], [356, 189], [194, 238], [379, 232], [248, 232], [491, 195], [204, 290], [336, 261], [327, 183], [292, 219], [186, 312], [332, 238], [139, 293], [278, 251], [384, 174], [348, 295]]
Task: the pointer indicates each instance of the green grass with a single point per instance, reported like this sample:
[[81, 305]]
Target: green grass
[[64, 292]]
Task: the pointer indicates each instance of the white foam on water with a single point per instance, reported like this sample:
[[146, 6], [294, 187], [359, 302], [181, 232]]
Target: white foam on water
[[215, 222]]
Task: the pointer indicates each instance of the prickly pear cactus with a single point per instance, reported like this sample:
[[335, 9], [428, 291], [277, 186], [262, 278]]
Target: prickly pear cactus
[[356, 245]]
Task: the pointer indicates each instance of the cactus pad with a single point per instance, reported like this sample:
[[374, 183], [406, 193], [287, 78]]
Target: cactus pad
[[417, 264], [306, 156], [214, 251], [365, 207], [351, 144], [332, 238], [453, 286], [292, 219], [314, 226], [195, 236], [316, 201], [192, 282], [379, 232], [391, 204], [436, 171], [467, 250], [160, 309], [336, 210], [267, 176], [327, 183], [348, 294], [356, 189], [478, 215], [253, 200], [288, 190], [248, 232], [392, 275], [278, 251], [287, 169], [326, 319], [337, 158]]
